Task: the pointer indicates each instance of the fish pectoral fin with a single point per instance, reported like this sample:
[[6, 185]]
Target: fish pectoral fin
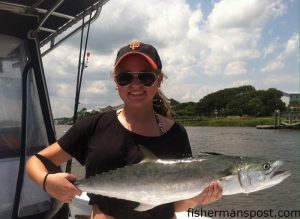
[[144, 207]]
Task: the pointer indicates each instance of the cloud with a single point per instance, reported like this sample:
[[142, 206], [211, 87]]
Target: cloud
[[273, 66], [96, 87], [62, 106], [271, 48], [242, 82], [184, 37], [274, 80], [290, 47], [61, 61], [192, 92], [250, 14], [101, 62], [235, 68], [232, 32], [191, 46]]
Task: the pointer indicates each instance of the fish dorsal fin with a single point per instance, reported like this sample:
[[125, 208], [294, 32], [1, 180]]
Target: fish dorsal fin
[[144, 207], [149, 156]]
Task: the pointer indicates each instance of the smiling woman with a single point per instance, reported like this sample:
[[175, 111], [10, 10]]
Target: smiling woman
[[132, 86], [112, 140], [147, 70]]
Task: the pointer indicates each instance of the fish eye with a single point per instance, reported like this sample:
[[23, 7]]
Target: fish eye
[[266, 166]]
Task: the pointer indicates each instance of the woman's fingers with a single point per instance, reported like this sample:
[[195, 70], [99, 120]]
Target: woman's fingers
[[218, 191], [211, 193], [60, 186]]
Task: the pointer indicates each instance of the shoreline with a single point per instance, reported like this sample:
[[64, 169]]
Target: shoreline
[[230, 121]]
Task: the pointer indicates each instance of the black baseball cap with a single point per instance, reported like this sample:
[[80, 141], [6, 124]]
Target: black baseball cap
[[146, 50]]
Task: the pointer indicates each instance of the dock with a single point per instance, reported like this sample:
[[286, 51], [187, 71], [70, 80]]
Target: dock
[[290, 120]]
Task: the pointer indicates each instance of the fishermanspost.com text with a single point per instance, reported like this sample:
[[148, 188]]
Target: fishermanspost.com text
[[245, 213]]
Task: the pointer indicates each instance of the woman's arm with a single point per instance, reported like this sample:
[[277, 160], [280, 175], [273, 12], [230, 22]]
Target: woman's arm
[[210, 194], [57, 185]]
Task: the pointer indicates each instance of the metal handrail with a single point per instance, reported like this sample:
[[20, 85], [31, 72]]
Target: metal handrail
[[51, 37], [30, 10], [37, 3], [96, 7], [47, 15]]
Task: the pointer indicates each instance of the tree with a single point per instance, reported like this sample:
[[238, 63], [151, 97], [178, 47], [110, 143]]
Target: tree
[[255, 106], [219, 100]]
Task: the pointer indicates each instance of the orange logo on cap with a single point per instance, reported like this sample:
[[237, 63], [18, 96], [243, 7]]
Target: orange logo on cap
[[134, 45]]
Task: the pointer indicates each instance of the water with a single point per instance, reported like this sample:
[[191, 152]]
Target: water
[[276, 144], [281, 144]]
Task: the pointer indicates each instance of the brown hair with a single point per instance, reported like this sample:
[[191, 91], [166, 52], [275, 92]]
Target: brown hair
[[161, 104]]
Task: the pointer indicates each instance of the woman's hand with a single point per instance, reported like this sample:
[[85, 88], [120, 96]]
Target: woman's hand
[[210, 194], [59, 185]]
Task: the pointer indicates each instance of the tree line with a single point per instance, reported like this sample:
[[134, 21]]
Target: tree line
[[243, 100], [238, 101]]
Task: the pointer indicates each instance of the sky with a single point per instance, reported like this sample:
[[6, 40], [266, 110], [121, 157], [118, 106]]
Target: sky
[[204, 45]]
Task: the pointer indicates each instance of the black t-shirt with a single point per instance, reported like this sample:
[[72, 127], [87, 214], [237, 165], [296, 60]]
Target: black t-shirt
[[102, 143]]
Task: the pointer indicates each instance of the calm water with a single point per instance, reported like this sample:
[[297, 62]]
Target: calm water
[[283, 144]]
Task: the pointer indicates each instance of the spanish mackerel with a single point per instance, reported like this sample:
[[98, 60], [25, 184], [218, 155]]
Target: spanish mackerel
[[156, 181]]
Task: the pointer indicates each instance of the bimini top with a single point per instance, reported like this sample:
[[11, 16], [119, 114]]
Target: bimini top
[[46, 19]]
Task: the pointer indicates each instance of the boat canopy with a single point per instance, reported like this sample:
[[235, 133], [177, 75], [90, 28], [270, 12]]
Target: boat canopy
[[47, 19]]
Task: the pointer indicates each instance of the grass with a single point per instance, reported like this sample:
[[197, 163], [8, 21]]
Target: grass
[[228, 121]]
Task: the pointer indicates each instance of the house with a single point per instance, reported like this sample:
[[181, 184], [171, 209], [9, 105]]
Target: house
[[292, 100]]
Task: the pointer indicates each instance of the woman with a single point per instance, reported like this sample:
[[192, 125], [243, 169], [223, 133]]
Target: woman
[[110, 140]]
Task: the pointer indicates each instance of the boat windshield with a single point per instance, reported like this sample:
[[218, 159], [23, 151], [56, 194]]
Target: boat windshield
[[13, 59], [11, 65]]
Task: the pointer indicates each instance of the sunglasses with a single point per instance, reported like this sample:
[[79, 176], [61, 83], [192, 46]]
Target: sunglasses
[[146, 78]]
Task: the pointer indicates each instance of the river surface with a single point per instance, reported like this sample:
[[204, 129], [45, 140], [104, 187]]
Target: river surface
[[274, 144]]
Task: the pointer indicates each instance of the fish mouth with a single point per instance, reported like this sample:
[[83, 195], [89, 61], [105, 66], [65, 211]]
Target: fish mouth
[[279, 175]]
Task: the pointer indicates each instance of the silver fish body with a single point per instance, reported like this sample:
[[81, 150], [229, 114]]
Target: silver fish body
[[157, 182]]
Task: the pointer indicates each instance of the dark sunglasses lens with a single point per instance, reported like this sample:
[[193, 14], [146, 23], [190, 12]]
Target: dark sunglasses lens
[[147, 78], [124, 79]]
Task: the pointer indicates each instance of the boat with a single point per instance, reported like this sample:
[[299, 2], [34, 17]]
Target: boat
[[26, 121]]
